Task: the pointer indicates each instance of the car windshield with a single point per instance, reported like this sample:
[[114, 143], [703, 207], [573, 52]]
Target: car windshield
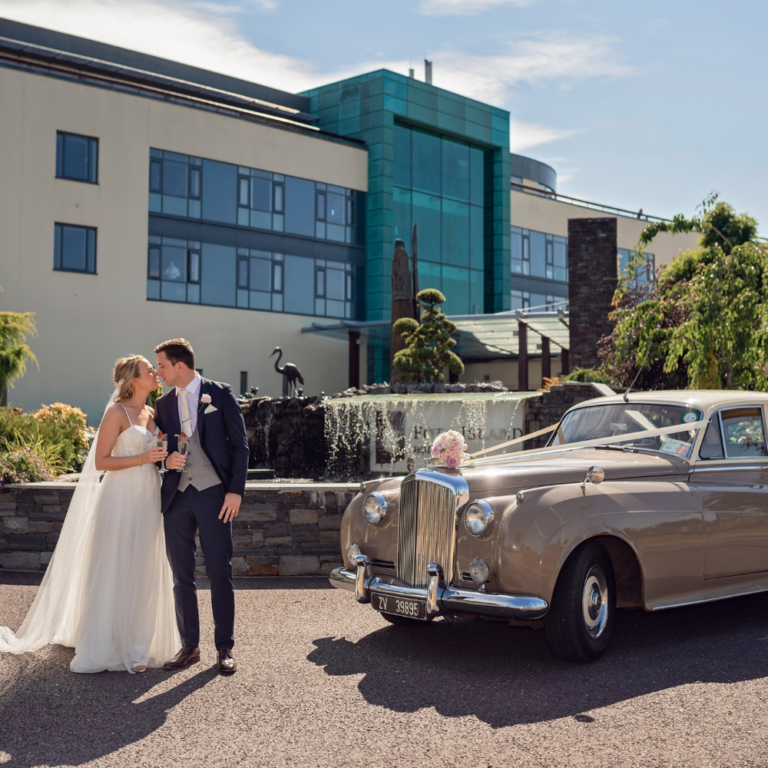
[[622, 419]]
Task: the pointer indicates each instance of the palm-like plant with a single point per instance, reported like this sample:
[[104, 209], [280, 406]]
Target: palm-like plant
[[14, 351]]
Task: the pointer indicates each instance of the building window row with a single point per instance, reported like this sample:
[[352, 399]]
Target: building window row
[[208, 190], [74, 248], [538, 254], [540, 302], [77, 157], [218, 275]]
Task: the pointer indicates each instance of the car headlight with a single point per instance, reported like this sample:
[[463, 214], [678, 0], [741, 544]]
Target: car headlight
[[375, 508], [479, 571], [478, 517], [352, 552]]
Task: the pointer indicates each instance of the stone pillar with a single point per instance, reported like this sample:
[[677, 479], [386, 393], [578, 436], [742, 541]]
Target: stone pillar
[[546, 360], [354, 359], [522, 357], [592, 279]]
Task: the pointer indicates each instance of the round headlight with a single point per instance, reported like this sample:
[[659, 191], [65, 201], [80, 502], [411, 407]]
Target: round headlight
[[352, 552], [375, 508], [478, 517], [479, 570]]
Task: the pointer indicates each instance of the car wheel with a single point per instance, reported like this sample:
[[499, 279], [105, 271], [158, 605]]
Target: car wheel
[[402, 621], [580, 621]]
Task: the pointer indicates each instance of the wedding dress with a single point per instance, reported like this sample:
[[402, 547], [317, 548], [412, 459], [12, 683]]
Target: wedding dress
[[108, 590]]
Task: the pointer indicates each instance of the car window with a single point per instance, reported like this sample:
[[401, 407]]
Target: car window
[[712, 445], [623, 419], [743, 432]]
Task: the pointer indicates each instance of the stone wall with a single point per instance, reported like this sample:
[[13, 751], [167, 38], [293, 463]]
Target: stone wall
[[592, 280], [280, 531]]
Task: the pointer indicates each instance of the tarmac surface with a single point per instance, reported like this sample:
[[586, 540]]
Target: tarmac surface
[[324, 681]]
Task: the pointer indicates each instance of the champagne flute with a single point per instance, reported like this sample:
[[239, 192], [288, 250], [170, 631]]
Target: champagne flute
[[162, 442], [182, 448]]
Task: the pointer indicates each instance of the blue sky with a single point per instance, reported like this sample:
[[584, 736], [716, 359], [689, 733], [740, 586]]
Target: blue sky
[[651, 104]]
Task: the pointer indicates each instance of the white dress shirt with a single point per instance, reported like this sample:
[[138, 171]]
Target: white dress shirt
[[192, 394]]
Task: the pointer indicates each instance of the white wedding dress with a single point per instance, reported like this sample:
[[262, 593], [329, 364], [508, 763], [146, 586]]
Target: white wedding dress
[[108, 590]]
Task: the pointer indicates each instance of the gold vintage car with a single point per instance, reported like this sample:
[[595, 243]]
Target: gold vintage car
[[643, 500]]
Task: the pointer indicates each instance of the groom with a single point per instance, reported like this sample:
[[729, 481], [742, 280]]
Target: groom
[[205, 498]]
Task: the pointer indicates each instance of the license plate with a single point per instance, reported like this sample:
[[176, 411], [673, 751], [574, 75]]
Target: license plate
[[413, 609]]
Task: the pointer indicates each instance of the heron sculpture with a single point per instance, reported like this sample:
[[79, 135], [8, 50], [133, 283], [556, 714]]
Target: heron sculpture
[[289, 370]]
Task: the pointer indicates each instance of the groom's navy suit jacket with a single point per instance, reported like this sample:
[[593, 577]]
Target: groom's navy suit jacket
[[222, 437]]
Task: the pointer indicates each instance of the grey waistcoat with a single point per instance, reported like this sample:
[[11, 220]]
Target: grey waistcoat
[[200, 472]]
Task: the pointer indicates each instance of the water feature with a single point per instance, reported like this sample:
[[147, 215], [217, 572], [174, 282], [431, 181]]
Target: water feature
[[375, 434]]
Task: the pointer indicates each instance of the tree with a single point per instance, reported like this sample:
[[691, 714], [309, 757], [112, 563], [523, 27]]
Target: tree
[[429, 342], [702, 322], [14, 351]]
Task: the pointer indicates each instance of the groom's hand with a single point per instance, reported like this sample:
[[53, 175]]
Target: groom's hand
[[230, 507], [175, 461]]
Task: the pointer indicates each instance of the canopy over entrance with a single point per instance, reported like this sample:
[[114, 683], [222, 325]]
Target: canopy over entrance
[[517, 335]]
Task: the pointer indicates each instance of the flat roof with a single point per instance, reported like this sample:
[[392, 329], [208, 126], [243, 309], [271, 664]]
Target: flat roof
[[48, 38]]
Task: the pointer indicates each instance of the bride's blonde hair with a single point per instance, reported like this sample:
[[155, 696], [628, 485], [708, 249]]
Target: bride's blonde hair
[[126, 370]]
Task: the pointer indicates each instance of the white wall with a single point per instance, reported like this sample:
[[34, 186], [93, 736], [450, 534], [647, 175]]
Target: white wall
[[86, 321]]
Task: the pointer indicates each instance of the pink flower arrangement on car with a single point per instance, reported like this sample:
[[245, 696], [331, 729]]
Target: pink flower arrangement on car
[[450, 449], [205, 399]]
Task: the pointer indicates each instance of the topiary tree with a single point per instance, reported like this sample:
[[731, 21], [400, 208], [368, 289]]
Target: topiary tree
[[429, 343]]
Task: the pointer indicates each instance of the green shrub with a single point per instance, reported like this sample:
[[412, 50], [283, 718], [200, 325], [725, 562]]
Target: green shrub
[[61, 427], [589, 376], [28, 461]]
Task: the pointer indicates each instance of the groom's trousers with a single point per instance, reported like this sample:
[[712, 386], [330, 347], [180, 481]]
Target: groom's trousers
[[192, 511]]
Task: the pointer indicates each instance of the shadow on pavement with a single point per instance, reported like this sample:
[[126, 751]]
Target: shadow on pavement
[[49, 716], [507, 676]]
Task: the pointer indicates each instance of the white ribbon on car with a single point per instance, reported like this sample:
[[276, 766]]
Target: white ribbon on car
[[631, 436]]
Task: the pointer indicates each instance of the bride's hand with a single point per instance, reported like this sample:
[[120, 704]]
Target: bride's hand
[[154, 454]]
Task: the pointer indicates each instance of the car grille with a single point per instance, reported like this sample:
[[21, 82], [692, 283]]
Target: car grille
[[426, 531]]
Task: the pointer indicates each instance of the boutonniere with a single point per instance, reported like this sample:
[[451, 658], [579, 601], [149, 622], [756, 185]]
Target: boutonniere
[[205, 399]]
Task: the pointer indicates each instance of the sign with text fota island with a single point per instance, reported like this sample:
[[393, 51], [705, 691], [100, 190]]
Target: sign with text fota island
[[407, 426]]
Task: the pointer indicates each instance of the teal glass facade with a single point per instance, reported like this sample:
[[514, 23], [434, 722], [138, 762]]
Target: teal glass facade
[[441, 161]]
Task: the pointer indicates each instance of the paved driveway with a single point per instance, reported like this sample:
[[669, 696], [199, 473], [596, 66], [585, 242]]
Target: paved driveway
[[325, 682]]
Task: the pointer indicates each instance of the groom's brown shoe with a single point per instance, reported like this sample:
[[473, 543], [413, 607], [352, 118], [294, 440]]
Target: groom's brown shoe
[[186, 656], [227, 665]]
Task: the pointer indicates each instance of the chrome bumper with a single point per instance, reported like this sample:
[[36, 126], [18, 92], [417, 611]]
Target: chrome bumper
[[440, 598]]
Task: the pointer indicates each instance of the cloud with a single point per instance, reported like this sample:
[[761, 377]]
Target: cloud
[[541, 59], [204, 36], [524, 136], [464, 7]]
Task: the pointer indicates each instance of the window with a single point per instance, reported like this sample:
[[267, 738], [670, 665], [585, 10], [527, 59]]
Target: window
[[77, 157], [712, 445], [189, 187], [242, 272], [193, 266], [195, 182], [218, 275], [74, 248], [520, 251], [743, 433], [644, 272], [520, 300]]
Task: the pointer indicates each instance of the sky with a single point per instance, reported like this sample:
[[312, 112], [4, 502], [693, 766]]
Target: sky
[[648, 105]]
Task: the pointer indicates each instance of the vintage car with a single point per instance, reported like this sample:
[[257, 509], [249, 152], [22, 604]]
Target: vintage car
[[643, 500]]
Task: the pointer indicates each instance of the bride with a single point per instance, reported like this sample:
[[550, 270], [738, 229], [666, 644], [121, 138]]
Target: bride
[[108, 590]]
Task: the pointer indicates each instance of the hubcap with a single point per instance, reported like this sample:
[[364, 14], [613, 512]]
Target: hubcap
[[594, 602]]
